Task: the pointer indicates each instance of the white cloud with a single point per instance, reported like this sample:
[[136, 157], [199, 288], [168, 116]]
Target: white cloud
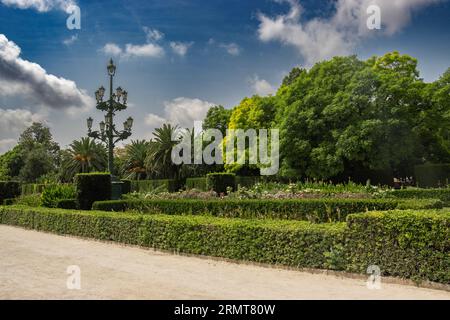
[[112, 49], [261, 87], [180, 111], [154, 121], [232, 48], [40, 5], [181, 48], [30, 81], [153, 34], [319, 39], [71, 40], [146, 50]]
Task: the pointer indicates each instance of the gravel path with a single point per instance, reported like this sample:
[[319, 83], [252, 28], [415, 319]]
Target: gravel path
[[33, 265]]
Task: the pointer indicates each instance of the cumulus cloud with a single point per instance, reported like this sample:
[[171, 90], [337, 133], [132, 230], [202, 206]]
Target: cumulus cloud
[[30, 81], [181, 48], [232, 48], [261, 87], [319, 38], [40, 5], [149, 49], [180, 111]]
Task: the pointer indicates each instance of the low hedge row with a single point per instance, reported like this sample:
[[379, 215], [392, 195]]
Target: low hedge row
[[313, 210], [299, 244], [407, 244], [442, 194]]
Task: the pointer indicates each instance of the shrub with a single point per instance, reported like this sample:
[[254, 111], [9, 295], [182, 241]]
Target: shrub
[[408, 244], [196, 183], [220, 182], [92, 187], [143, 186], [9, 190], [296, 244], [33, 200], [413, 193], [67, 204], [53, 194], [313, 210], [432, 175]]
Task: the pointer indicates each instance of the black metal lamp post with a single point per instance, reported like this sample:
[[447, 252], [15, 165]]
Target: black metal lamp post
[[108, 133]]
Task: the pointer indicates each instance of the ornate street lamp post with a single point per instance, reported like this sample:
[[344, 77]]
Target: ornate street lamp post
[[117, 102]]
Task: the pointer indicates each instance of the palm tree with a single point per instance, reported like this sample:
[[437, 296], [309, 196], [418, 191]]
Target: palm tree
[[83, 156], [159, 157], [134, 159]]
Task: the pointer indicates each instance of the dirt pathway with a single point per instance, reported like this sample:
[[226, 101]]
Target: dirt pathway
[[33, 265]]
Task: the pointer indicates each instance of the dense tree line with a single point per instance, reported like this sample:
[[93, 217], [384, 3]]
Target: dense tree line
[[342, 118]]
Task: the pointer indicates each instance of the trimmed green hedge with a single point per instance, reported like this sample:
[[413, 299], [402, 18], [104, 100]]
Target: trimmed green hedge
[[220, 182], [412, 193], [407, 244], [432, 175], [92, 187], [313, 210], [298, 244], [166, 185], [196, 183], [9, 190]]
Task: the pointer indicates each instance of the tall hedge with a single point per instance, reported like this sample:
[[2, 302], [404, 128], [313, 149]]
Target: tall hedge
[[220, 182], [313, 210], [407, 244], [92, 187], [9, 190], [432, 175]]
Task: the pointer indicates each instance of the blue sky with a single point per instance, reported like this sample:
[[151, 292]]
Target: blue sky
[[184, 55]]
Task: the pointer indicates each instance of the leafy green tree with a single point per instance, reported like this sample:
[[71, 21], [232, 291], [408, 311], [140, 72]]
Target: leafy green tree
[[345, 115], [217, 118], [37, 164]]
